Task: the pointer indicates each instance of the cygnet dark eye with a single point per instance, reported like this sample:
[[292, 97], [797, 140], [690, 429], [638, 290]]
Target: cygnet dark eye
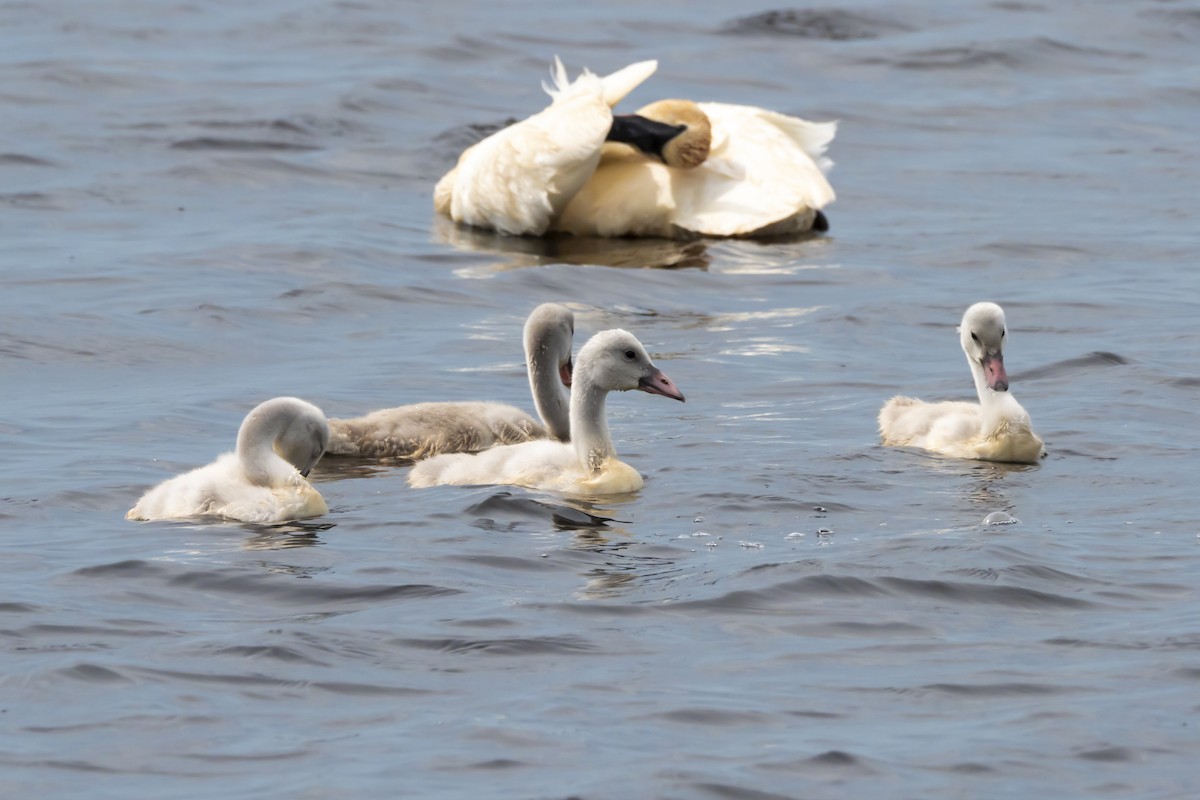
[[1002, 334], [973, 336], [629, 354]]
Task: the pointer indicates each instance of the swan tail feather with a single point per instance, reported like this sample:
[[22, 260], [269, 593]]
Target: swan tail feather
[[625, 80]]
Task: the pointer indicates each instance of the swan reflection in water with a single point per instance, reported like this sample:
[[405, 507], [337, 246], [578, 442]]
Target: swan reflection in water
[[519, 252]]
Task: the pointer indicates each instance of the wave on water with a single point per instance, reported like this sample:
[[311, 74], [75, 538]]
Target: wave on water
[[781, 596], [827, 24], [509, 646], [240, 145]]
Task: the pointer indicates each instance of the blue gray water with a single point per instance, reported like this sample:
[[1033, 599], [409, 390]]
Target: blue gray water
[[204, 205]]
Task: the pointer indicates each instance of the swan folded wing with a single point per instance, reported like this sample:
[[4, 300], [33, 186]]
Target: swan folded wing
[[761, 171], [517, 180], [426, 429]]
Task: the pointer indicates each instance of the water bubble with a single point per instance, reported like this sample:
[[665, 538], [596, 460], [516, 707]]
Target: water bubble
[[684, 536], [819, 509], [700, 534], [752, 545], [799, 535], [698, 519], [824, 532], [1000, 518], [710, 544]]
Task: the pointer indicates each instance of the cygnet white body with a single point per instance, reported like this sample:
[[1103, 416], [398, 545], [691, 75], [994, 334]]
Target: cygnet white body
[[262, 481], [996, 428], [612, 360]]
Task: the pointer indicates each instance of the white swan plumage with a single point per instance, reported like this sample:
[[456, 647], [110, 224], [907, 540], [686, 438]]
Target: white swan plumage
[[612, 360], [764, 175], [420, 430], [519, 179], [996, 428], [263, 480]]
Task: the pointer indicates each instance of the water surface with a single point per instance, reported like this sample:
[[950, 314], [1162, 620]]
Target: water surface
[[205, 205]]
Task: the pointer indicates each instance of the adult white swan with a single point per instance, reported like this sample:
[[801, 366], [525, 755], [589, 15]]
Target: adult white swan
[[996, 428], [764, 175], [612, 360], [519, 179], [425, 429], [263, 480]]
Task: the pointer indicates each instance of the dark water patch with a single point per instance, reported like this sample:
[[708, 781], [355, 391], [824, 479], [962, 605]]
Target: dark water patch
[[1187, 383], [814, 714], [522, 252], [954, 58], [604, 609], [1042, 572], [130, 568], [18, 608], [270, 652], [138, 721], [304, 125], [979, 573], [452, 141], [496, 764], [54, 629], [510, 563], [729, 501], [830, 763], [485, 622], [1097, 359], [365, 689], [240, 145], [876, 631], [224, 679], [31, 201], [1017, 54], [714, 716], [969, 768], [1183, 23], [729, 792], [1113, 755], [769, 599], [22, 160], [333, 468], [1043, 251], [93, 673], [1013, 596], [259, 680], [505, 510], [827, 24], [1017, 5], [233, 758], [306, 593], [1192, 673], [512, 646]]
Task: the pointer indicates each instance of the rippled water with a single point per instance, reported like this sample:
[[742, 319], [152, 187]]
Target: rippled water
[[205, 205]]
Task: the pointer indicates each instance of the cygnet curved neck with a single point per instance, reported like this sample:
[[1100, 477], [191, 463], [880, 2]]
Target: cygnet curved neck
[[996, 406], [550, 401], [589, 420], [256, 447]]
